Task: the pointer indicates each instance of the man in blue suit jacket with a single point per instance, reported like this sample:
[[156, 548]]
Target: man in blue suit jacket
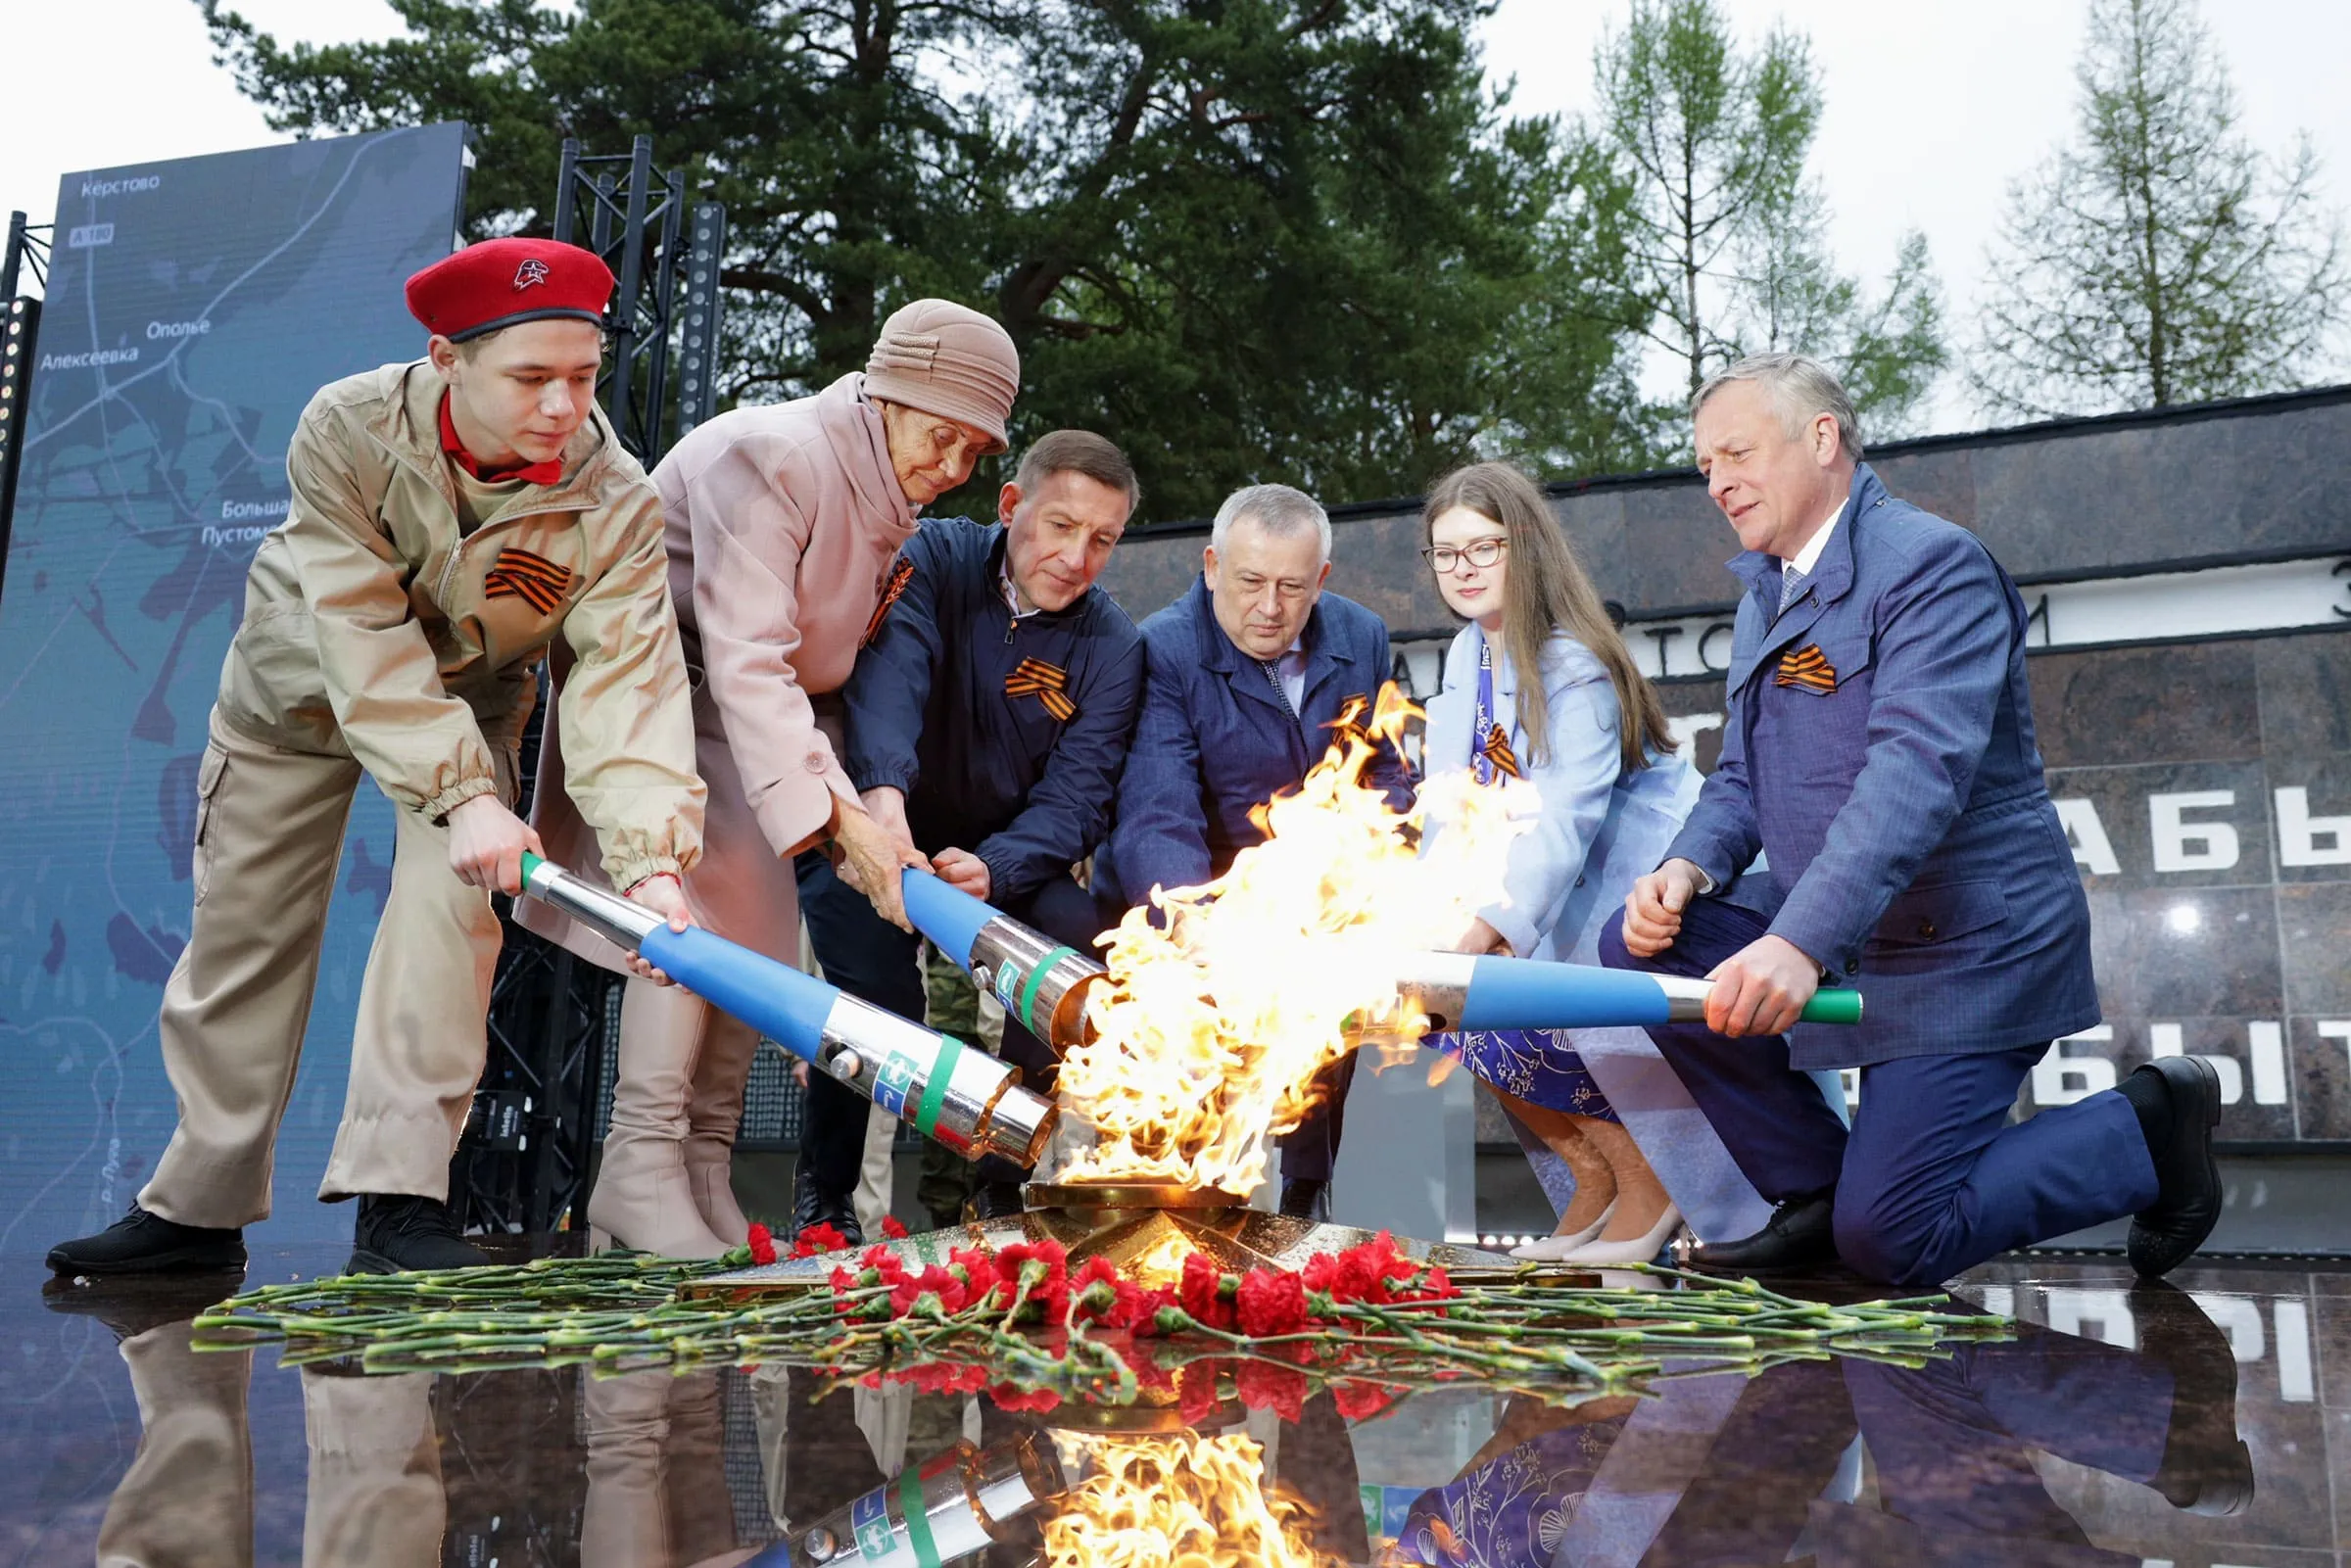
[[1244, 677], [1879, 751]]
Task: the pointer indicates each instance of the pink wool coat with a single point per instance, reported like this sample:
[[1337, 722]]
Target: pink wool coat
[[782, 527]]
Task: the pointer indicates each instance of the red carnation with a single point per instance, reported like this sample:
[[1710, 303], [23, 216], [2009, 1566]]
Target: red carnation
[[1148, 1373], [1322, 1272], [1094, 1292], [1200, 1291], [813, 1240], [763, 1244], [1138, 1314], [1271, 1301], [1279, 1389], [1010, 1398], [1196, 1391], [1359, 1400], [892, 1228]]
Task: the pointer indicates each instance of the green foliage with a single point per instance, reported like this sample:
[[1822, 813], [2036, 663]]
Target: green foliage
[[1248, 238], [1727, 230], [2161, 258]]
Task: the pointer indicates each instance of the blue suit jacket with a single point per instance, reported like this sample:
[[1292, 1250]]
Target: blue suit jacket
[[1026, 788], [1214, 739], [1894, 786]]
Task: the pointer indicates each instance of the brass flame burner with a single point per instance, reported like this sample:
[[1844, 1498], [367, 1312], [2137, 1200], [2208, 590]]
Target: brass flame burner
[[1094, 1196]]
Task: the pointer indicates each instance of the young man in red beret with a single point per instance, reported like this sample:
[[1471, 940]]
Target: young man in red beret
[[451, 518]]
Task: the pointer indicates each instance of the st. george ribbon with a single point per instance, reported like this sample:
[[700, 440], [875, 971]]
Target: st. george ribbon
[[1044, 984], [964, 1098]]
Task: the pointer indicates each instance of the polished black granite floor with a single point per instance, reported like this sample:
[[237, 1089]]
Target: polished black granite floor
[[2189, 1426]]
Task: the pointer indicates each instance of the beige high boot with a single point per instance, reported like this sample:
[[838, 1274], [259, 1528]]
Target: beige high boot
[[643, 1196], [713, 1114]]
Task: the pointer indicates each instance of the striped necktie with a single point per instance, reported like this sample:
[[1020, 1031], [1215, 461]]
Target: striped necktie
[[1281, 694], [1792, 587]]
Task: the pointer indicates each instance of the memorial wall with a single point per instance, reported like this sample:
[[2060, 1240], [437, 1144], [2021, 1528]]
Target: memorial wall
[[2188, 576]]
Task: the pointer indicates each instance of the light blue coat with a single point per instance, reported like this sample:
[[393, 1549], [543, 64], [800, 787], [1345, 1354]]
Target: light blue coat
[[1599, 829]]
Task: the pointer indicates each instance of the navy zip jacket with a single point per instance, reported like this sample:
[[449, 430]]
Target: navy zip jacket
[[1216, 738], [1007, 735]]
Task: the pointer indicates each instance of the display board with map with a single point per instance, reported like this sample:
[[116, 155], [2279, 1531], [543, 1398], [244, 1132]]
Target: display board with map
[[193, 308]]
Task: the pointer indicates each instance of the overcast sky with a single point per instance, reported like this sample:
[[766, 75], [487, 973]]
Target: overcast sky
[[1933, 105]]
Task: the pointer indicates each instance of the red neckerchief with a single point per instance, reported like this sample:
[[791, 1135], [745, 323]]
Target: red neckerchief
[[544, 473]]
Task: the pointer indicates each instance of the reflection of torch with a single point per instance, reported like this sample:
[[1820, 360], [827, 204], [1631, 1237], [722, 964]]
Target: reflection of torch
[[965, 1099], [956, 1504], [1459, 991], [1040, 982]]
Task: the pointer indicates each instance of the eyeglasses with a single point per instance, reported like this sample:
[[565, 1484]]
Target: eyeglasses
[[1443, 558]]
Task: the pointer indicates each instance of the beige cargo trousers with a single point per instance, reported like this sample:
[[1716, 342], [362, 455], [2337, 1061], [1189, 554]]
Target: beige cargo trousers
[[269, 828], [395, 625]]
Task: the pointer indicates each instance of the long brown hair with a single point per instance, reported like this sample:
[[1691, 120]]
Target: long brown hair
[[1545, 590]]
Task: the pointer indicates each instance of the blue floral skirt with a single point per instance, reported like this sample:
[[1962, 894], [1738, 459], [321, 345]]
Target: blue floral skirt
[[1538, 1066]]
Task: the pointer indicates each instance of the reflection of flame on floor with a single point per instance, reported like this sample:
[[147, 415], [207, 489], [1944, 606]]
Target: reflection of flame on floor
[[1209, 1032], [1179, 1497]]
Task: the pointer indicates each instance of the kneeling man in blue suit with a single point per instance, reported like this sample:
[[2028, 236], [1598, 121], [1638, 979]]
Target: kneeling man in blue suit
[[1879, 751]]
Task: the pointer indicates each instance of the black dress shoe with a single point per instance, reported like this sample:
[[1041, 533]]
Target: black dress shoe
[[1306, 1197], [999, 1200], [401, 1233], [1800, 1234], [144, 1243], [811, 1205], [2206, 1468], [2187, 1191]]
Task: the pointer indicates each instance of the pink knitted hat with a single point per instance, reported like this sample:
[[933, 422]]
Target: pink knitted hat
[[940, 358]]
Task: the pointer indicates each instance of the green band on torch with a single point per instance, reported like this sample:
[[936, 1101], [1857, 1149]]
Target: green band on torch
[[918, 1517], [1836, 1005], [934, 1092], [530, 864], [1036, 977]]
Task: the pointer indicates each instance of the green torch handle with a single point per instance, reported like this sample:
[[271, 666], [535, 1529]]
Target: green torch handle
[[1836, 1005]]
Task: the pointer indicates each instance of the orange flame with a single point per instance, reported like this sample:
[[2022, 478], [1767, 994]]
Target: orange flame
[[1209, 1032], [1187, 1497]]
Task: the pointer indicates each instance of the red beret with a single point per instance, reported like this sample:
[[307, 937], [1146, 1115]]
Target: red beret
[[500, 283]]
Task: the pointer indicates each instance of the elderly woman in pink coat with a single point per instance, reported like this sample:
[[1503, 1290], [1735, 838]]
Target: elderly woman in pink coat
[[784, 527]]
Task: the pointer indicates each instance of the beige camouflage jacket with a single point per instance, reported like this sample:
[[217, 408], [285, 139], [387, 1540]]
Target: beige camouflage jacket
[[373, 630]]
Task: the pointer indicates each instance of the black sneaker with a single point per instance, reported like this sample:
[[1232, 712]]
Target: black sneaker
[[401, 1233], [143, 1242]]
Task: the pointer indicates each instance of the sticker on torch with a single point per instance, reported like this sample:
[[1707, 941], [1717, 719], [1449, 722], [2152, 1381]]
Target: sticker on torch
[[1008, 987], [894, 1077], [869, 1520]]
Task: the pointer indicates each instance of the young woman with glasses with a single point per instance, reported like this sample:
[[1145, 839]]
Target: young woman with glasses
[[1539, 685]]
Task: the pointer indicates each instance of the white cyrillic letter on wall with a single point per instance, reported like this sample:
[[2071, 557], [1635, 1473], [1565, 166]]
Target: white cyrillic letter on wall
[[2182, 845], [2307, 840], [2061, 1079], [2093, 851]]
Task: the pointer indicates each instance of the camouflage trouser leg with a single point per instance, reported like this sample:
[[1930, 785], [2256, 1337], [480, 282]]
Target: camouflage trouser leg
[[952, 1005]]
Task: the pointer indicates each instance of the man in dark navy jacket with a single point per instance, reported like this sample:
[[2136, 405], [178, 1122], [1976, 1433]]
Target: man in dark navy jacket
[[1880, 751], [1248, 672], [987, 719]]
